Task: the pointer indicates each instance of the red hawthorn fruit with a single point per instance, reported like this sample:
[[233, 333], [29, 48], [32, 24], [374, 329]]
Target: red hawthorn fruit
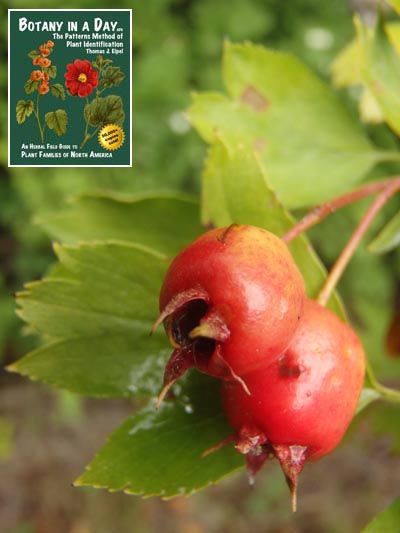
[[230, 302], [301, 404]]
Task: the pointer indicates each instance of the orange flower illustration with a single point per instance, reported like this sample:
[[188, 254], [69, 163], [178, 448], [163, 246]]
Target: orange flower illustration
[[44, 50], [41, 80], [44, 62], [43, 88], [37, 75]]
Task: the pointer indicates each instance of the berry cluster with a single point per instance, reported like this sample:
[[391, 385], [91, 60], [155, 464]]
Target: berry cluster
[[233, 304], [44, 63]]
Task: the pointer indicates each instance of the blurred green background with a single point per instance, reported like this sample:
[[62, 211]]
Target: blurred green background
[[47, 437]]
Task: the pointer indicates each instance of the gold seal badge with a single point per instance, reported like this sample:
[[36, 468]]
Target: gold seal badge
[[111, 137]]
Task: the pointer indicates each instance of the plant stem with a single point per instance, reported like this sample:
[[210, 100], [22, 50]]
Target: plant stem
[[341, 263], [88, 135], [322, 211], [38, 118], [388, 156], [386, 393]]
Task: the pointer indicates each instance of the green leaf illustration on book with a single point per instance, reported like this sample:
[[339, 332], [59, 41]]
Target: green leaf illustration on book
[[31, 86], [57, 121], [58, 91], [113, 76], [39, 80], [24, 110], [105, 110]]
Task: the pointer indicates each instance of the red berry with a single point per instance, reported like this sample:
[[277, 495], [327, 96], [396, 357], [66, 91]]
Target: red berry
[[299, 406], [231, 302]]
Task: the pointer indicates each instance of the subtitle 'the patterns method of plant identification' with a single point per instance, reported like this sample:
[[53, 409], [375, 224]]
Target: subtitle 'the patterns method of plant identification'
[[70, 77]]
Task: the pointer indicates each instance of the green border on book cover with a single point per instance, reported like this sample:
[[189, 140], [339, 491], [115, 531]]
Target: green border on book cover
[[70, 87]]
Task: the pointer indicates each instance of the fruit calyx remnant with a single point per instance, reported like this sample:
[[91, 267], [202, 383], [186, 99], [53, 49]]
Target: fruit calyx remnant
[[196, 334], [255, 446]]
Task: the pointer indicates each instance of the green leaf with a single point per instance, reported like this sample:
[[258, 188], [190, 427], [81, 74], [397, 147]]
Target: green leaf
[[388, 238], [235, 189], [381, 70], [23, 110], [114, 289], [31, 86], [58, 91], [57, 121], [51, 71], [105, 365], [302, 132], [369, 108], [367, 396], [347, 65], [158, 452], [112, 77], [33, 54], [166, 222], [346, 72], [107, 110], [395, 4], [393, 32], [387, 521], [97, 320]]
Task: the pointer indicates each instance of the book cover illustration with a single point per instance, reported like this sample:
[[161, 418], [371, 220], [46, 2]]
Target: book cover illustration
[[70, 87]]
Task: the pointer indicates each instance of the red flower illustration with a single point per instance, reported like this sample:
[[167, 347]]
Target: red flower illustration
[[81, 78]]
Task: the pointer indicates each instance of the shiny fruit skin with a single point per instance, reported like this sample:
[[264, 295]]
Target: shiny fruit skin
[[253, 291], [308, 396]]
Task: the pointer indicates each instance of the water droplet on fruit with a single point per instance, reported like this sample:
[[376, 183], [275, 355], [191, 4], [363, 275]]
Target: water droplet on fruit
[[187, 405], [188, 408]]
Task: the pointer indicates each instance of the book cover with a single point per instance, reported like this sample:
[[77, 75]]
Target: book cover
[[70, 87]]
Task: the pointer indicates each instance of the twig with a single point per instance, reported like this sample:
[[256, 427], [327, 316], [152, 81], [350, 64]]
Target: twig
[[342, 261], [322, 211]]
